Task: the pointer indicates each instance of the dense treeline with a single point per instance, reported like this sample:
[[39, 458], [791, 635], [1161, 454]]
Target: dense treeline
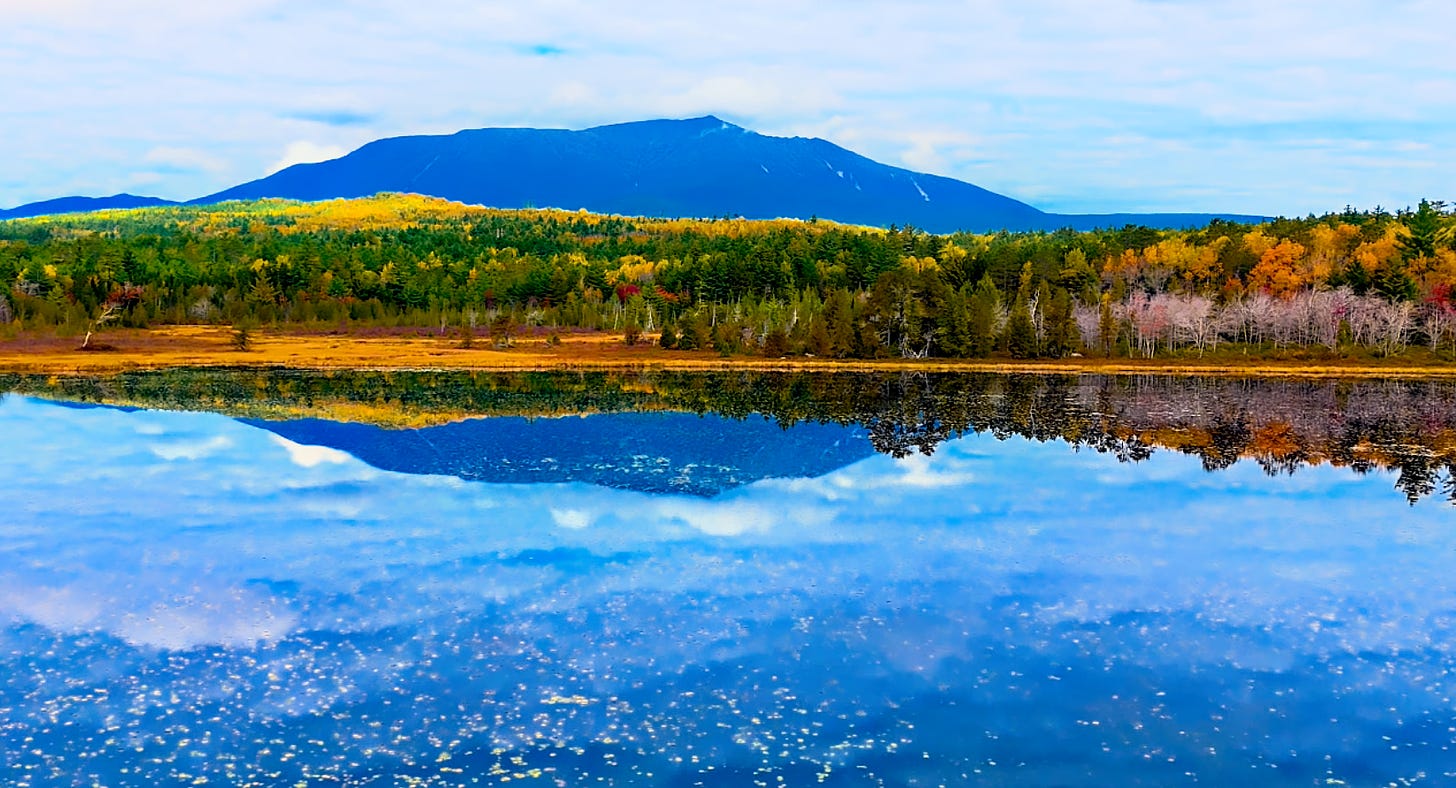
[[1356, 281], [1282, 425]]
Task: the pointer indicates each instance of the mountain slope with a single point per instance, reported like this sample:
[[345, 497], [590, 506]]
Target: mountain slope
[[81, 205], [702, 167]]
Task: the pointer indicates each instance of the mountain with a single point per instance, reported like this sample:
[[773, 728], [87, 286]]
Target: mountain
[[651, 452], [81, 205], [703, 167]]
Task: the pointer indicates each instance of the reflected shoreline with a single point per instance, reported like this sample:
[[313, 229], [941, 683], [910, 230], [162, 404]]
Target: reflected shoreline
[[1283, 425]]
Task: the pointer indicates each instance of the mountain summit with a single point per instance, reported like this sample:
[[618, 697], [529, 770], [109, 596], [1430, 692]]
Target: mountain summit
[[696, 168]]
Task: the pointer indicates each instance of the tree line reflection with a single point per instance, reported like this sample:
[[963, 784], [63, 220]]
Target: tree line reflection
[[1405, 426]]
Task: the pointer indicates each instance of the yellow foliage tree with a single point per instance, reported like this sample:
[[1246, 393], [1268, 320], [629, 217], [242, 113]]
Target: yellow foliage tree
[[1278, 270]]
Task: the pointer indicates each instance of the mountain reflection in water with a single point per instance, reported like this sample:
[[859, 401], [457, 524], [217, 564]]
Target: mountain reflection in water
[[634, 451], [1282, 425]]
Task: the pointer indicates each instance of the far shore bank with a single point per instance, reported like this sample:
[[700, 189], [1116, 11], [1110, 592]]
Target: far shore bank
[[212, 346]]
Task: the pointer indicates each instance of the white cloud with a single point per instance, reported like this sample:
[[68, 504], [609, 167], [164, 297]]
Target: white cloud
[[575, 519], [184, 159], [304, 152], [721, 518], [229, 619], [191, 449], [572, 93], [311, 456]]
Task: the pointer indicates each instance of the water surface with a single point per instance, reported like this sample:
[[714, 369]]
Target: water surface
[[188, 596]]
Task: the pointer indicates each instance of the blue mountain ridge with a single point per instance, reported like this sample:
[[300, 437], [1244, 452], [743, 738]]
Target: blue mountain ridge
[[700, 167], [82, 205], [659, 452]]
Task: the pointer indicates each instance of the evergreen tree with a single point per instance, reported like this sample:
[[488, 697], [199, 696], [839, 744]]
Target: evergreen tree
[[701, 331], [1394, 283], [1025, 282], [1020, 335], [1106, 326], [952, 321], [819, 342], [982, 314], [242, 338], [1423, 226], [727, 339], [776, 343], [1077, 274], [1060, 326], [867, 342], [839, 322], [694, 334], [502, 328]]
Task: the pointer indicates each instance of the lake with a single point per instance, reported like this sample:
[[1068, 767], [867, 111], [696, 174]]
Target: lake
[[267, 578]]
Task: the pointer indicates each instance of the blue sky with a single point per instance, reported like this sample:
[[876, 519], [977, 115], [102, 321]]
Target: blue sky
[[1222, 105]]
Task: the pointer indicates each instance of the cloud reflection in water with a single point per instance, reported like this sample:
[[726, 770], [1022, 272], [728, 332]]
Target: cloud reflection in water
[[187, 594]]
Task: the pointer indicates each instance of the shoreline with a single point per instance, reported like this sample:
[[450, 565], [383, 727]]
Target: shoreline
[[172, 347]]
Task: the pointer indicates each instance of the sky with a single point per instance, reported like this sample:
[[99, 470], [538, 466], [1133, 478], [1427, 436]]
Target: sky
[[1250, 106]]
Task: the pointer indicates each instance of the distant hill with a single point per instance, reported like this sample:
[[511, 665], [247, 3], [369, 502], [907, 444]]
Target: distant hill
[[703, 167], [81, 205]]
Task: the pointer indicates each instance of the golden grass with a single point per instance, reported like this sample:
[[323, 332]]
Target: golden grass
[[211, 346]]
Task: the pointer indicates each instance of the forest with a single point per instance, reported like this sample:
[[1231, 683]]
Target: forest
[[1353, 283]]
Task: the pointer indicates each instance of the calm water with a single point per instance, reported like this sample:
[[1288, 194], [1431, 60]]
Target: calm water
[[661, 598]]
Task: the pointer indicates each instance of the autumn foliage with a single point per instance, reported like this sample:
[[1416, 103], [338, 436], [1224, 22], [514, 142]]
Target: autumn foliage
[[1352, 279]]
